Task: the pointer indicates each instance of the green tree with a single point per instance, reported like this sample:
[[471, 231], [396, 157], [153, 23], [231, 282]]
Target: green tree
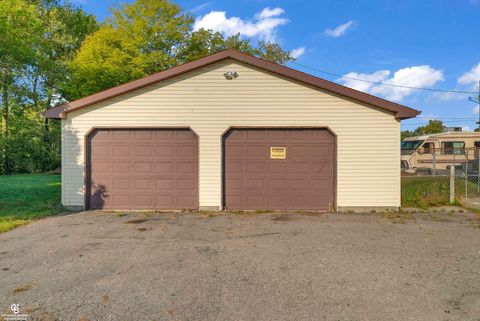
[[38, 38], [148, 36], [157, 28], [203, 42], [434, 126], [19, 30], [106, 59]]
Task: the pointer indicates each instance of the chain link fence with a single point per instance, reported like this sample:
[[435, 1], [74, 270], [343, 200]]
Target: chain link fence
[[432, 177]]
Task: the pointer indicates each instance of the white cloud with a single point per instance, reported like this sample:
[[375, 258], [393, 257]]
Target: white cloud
[[200, 7], [445, 96], [475, 110], [466, 129], [415, 76], [378, 76], [263, 26], [470, 77], [296, 53], [268, 13], [340, 30]]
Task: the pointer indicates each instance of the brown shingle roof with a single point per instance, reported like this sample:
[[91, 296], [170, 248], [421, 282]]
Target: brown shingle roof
[[400, 111]]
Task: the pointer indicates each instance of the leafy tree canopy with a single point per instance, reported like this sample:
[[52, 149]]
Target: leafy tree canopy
[[433, 127], [148, 36]]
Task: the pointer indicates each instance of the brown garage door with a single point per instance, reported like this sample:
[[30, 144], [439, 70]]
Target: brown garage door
[[143, 169], [279, 169]]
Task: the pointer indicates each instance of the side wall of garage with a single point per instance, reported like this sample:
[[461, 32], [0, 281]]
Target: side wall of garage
[[368, 139]]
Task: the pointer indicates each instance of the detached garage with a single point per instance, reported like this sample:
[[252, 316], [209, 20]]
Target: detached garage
[[231, 131]]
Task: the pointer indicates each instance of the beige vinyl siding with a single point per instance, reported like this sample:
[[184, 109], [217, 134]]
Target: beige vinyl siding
[[368, 139]]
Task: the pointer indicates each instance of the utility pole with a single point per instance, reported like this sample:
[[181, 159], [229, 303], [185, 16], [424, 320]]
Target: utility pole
[[477, 151], [477, 100]]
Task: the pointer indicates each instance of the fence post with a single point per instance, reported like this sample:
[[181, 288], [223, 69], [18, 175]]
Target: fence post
[[466, 179], [452, 184], [478, 170]]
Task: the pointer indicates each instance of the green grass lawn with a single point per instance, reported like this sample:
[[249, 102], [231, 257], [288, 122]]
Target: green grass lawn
[[426, 191], [24, 198]]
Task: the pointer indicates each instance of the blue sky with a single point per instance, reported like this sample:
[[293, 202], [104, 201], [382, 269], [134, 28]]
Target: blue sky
[[434, 43]]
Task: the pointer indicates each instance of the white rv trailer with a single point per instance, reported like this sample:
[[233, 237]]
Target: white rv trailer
[[438, 151]]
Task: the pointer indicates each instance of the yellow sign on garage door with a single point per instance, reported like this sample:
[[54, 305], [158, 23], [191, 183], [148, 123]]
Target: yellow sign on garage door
[[278, 152]]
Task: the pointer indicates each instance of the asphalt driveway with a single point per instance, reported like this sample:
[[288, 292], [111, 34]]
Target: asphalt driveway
[[104, 266]]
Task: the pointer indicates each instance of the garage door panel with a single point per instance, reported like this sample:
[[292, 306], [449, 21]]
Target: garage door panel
[[324, 150], [253, 184], [121, 151], [185, 168], [101, 168], [255, 152], [276, 134], [277, 167], [325, 169], [185, 135], [250, 135], [144, 201], [185, 151], [254, 201], [301, 179], [186, 184], [234, 151], [234, 168], [120, 183], [140, 135], [276, 202], [164, 183], [121, 135], [120, 200], [143, 183], [184, 202], [120, 167], [255, 167], [103, 151], [101, 136], [143, 169], [143, 150], [165, 151]]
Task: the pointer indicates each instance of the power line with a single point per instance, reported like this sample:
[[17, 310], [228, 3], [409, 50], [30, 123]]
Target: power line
[[385, 84], [445, 122], [446, 118]]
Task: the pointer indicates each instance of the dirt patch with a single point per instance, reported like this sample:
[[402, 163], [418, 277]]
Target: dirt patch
[[257, 235], [21, 289], [137, 221], [283, 218], [142, 229]]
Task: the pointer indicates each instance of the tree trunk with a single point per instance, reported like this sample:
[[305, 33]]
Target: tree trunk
[[46, 125], [5, 109]]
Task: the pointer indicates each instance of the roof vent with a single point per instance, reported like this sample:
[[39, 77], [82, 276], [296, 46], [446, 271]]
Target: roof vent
[[230, 75]]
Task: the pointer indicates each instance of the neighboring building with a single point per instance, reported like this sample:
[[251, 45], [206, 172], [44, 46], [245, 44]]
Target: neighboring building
[[438, 151], [231, 131]]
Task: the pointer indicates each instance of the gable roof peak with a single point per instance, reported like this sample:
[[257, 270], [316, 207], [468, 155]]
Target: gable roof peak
[[400, 111]]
